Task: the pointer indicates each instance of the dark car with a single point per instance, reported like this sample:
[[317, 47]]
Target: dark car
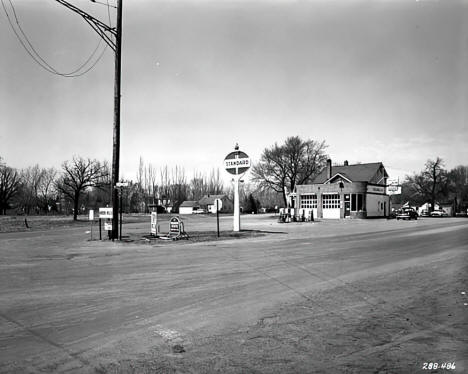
[[407, 213]]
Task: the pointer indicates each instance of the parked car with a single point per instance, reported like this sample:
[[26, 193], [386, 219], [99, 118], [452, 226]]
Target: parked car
[[199, 211], [407, 213], [424, 213], [439, 213]]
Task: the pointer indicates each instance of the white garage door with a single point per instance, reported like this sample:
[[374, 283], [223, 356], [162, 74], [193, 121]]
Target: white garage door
[[331, 206]]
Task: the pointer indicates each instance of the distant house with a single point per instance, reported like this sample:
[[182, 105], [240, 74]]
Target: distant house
[[354, 191], [207, 202], [426, 208], [448, 208], [188, 207]]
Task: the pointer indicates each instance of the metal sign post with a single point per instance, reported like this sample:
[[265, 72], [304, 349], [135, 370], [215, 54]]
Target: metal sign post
[[237, 163], [91, 218], [120, 186], [219, 205]]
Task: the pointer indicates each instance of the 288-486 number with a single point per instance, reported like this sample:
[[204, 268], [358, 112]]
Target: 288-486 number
[[436, 365]]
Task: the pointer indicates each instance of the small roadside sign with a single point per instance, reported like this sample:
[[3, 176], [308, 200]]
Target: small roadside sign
[[105, 212], [218, 203], [91, 215], [108, 226], [174, 226], [154, 223]]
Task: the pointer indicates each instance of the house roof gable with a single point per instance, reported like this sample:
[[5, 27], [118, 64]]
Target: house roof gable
[[340, 177], [354, 173], [189, 204], [209, 199]]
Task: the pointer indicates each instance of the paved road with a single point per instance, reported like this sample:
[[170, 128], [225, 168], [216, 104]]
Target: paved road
[[71, 305]]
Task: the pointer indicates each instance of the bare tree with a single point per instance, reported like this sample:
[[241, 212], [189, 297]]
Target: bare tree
[[46, 189], [79, 175], [282, 167], [431, 183], [215, 183], [458, 186], [151, 186], [179, 189], [31, 178], [10, 182], [198, 186]]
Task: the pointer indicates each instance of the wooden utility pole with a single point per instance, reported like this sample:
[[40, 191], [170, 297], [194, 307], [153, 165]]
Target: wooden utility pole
[[103, 31], [116, 141]]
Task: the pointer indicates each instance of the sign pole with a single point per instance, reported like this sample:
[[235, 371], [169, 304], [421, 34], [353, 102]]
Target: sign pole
[[91, 218], [217, 216], [237, 163], [120, 231], [236, 205]]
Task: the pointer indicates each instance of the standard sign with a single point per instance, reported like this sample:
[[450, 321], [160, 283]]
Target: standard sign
[[237, 162], [105, 212]]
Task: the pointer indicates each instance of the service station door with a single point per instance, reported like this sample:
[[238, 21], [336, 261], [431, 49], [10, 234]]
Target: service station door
[[331, 206]]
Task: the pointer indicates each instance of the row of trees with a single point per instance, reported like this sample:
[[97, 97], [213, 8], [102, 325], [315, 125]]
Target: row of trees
[[435, 184], [87, 183], [42, 190]]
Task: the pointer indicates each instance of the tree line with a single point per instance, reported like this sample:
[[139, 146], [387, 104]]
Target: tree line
[[84, 183], [435, 184]]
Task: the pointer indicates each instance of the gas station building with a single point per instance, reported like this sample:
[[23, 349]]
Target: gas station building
[[344, 191]]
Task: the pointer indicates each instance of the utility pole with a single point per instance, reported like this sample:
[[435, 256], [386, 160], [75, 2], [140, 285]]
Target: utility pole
[[116, 141], [115, 43]]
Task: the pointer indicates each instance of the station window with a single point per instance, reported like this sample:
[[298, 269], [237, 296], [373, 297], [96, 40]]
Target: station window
[[356, 202], [330, 201], [308, 201]]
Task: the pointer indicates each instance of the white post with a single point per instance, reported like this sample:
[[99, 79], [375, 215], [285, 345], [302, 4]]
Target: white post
[[236, 204]]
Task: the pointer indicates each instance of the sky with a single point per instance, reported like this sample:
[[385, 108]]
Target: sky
[[376, 80]]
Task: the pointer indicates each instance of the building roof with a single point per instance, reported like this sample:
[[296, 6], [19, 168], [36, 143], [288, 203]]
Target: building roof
[[189, 204], [209, 199], [355, 173]]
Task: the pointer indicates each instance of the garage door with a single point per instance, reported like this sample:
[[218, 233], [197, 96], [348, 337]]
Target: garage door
[[331, 206]]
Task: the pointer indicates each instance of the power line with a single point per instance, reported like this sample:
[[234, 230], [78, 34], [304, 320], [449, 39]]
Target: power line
[[32, 52], [108, 5]]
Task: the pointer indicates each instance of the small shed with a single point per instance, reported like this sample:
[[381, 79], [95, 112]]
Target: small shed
[[188, 206]]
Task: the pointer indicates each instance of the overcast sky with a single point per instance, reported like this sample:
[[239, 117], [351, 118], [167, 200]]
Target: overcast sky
[[377, 80]]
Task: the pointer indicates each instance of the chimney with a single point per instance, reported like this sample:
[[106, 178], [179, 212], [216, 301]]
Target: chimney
[[329, 168], [346, 163]]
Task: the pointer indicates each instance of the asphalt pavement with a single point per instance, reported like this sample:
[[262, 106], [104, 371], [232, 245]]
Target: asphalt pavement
[[286, 301]]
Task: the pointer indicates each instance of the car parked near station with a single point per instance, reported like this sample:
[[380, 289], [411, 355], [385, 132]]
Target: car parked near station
[[406, 213], [439, 213], [424, 213]]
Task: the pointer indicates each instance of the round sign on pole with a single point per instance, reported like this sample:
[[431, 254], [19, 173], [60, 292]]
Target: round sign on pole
[[237, 162], [218, 203]]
